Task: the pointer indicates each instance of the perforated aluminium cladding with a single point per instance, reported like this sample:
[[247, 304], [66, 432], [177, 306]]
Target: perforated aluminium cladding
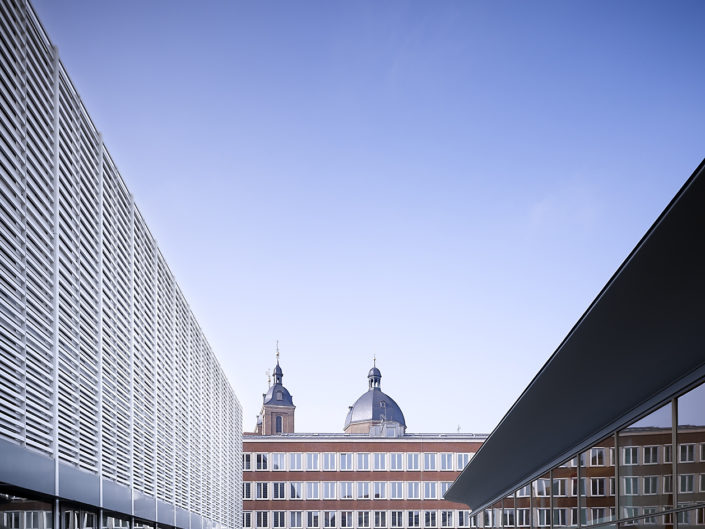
[[103, 366]]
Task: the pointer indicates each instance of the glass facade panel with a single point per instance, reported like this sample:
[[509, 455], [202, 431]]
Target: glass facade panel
[[597, 486], [643, 469], [17, 512], [564, 489], [690, 439]]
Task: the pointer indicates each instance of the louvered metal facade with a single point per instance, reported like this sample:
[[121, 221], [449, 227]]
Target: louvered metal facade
[[109, 392]]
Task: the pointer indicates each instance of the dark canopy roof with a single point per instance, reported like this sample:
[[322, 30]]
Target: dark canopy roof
[[640, 340]]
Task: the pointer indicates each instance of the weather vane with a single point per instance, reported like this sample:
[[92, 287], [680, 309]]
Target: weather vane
[[277, 351], [269, 379]]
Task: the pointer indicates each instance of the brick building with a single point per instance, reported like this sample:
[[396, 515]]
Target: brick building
[[373, 475]]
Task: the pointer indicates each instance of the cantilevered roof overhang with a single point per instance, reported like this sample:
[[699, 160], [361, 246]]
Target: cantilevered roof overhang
[[641, 340]]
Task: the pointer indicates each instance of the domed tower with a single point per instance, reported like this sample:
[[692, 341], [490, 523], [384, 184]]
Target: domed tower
[[375, 413], [277, 415]]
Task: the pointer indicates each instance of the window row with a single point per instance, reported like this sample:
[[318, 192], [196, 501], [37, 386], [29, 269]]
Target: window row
[[347, 461], [355, 519], [344, 490]]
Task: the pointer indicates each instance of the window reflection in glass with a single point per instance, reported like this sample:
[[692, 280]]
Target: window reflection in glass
[[596, 488], [690, 451], [541, 501], [111, 521], [564, 487], [17, 512], [644, 467]]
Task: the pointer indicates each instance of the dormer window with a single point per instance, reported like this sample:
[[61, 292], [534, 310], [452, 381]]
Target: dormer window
[[279, 395]]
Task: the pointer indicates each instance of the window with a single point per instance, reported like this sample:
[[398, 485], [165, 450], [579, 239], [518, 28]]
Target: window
[[247, 464], [667, 454], [397, 518], [631, 486], [262, 519], [329, 489], [429, 461], [296, 490], [631, 512], [295, 519], [463, 518], [630, 455], [379, 461], [446, 463], [650, 455], [523, 517], [311, 461], [559, 487], [247, 519], [683, 517], [651, 519], [278, 519], [278, 491], [597, 457], [702, 452], [329, 461], [414, 519], [574, 486], [396, 492], [328, 518], [278, 422], [508, 518], [295, 462], [702, 482], [246, 490], [363, 461], [574, 516], [650, 484], [543, 517], [363, 490], [686, 483], [524, 492], [262, 491], [395, 461], [445, 485], [429, 519], [597, 486], [380, 519], [687, 453], [429, 490], [463, 461], [278, 462], [542, 487], [363, 519], [312, 519], [280, 396], [598, 514], [412, 490], [380, 490], [346, 490], [668, 484], [312, 490], [262, 462], [446, 518], [559, 517], [346, 462], [346, 519], [412, 462]]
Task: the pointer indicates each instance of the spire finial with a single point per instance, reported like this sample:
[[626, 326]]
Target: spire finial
[[374, 360], [269, 379], [277, 351]]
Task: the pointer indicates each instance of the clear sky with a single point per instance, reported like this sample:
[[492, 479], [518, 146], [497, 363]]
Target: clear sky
[[446, 185]]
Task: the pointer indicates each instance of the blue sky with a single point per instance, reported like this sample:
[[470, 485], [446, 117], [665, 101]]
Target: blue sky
[[446, 185]]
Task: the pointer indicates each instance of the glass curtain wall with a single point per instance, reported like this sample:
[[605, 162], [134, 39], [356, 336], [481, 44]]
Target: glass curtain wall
[[648, 475]]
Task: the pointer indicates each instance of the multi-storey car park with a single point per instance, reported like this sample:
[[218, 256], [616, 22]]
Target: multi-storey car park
[[611, 431], [114, 411], [372, 475]]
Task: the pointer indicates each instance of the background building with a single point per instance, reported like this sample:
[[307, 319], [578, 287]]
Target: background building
[[616, 417], [113, 408], [374, 475]]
